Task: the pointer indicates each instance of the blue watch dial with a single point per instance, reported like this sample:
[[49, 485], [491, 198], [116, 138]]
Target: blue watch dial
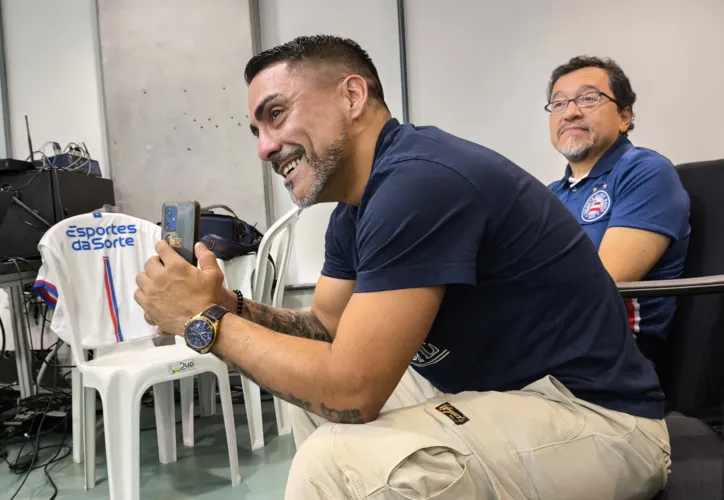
[[199, 333]]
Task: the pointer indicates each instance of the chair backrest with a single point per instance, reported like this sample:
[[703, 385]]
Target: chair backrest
[[279, 238], [90, 263], [692, 372]]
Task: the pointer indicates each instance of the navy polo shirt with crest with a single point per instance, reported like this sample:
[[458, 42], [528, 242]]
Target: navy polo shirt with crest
[[637, 188], [526, 295]]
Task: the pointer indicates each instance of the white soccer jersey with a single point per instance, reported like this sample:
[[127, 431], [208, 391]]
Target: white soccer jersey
[[98, 257]]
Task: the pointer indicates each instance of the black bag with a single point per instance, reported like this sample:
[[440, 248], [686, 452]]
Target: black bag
[[227, 236]]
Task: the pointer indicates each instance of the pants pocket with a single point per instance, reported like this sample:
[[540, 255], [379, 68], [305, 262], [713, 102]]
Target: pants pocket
[[394, 451], [432, 473]]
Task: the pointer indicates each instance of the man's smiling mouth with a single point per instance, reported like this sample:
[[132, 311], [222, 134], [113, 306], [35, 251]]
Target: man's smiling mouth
[[289, 167]]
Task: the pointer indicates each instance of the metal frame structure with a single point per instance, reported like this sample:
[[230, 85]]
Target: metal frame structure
[[4, 91]]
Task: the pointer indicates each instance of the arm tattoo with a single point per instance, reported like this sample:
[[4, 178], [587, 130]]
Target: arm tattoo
[[297, 323], [337, 416], [342, 416]]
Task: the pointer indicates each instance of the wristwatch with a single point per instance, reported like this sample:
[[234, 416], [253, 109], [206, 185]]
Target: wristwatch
[[201, 330]]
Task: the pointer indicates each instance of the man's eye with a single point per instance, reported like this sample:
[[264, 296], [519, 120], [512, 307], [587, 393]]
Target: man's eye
[[275, 113]]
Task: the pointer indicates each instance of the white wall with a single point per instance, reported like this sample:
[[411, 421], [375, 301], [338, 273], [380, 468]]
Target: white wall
[[480, 70], [53, 74], [283, 20]]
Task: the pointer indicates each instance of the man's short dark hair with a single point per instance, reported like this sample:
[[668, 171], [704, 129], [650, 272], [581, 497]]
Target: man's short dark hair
[[321, 48], [617, 79]]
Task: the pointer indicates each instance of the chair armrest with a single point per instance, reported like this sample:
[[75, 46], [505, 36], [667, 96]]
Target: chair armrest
[[671, 288]]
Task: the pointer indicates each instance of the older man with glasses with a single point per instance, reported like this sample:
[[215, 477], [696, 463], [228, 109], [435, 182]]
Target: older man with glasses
[[628, 199]]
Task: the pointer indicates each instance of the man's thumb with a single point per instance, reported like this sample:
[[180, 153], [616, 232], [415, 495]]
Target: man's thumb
[[206, 258]]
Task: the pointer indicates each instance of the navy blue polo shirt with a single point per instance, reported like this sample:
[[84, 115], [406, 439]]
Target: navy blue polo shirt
[[638, 188], [526, 294]]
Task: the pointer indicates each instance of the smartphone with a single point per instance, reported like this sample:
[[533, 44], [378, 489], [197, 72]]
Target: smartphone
[[180, 227]]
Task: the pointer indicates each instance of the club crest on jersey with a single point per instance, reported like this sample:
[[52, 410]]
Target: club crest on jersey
[[596, 206]]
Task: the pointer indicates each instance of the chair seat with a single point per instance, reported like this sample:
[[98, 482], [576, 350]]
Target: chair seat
[[697, 455], [144, 357]]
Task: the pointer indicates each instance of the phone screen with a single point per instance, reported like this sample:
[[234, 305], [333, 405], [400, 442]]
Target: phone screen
[[180, 227]]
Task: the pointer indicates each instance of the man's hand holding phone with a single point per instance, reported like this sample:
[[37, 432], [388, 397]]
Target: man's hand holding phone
[[172, 288], [171, 291]]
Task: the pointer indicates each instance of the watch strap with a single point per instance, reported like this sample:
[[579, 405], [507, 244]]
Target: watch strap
[[215, 313]]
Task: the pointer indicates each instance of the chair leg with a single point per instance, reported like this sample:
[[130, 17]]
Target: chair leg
[[187, 410], [164, 408], [284, 425], [207, 394], [252, 403], [228, 412], [89, 438], [121, 415], [77, 410]]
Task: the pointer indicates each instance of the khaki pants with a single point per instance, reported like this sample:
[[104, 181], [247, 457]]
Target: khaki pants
[[537, 443]]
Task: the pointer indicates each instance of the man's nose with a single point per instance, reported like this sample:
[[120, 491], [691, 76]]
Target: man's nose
[[268, 147], [572, 111]]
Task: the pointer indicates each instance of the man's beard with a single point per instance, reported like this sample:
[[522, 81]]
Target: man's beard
[[323, 167], [576, 152]]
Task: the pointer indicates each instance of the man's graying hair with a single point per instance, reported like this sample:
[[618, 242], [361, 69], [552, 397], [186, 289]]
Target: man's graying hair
[[321, 48], [617, 79]]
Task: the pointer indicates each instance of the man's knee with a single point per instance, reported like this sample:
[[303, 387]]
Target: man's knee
[[356, 461], [314, 472], [304, 423]]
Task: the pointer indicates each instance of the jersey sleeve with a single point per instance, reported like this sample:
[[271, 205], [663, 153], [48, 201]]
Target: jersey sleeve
[[45, 284], [422, 227], [337, 259], [650, 196]]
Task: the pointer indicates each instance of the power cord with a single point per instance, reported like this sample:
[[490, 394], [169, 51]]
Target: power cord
[[36, 448]]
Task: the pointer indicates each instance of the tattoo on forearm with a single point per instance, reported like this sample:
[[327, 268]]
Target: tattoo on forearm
[[297, 323], [342, 416], [337, 416]]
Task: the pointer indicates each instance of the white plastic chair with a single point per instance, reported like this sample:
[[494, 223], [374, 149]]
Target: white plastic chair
[[281, 236], [122, 371], [277, 242]]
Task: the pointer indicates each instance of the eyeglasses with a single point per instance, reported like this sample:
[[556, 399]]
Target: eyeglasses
[[585, 100]]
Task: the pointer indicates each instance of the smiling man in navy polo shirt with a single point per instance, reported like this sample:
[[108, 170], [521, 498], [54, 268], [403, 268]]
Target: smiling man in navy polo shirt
[[628, 199], [465, 340]]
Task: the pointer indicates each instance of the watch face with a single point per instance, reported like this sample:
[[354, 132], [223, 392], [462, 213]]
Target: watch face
[[199, 333]]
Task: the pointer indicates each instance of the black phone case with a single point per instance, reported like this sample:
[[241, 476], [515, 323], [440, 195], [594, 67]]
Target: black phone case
[[182, 232]]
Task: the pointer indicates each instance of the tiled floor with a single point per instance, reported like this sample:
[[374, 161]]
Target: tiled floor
[[200, 472]]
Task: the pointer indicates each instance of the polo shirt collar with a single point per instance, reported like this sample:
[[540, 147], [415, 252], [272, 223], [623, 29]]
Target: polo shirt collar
[[606, 163], [384, 141], [385, 138]]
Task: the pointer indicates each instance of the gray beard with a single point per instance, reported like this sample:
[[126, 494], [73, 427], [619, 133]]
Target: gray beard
[[576, 153], [323, 169]]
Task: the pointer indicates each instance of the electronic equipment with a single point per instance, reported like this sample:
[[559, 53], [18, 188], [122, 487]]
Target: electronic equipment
[[70, 161], [41, 198], [180, 227], [11, 165]]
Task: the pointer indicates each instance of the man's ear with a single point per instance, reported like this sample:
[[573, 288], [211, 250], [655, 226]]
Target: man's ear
[[356, 91], [626, 118]]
